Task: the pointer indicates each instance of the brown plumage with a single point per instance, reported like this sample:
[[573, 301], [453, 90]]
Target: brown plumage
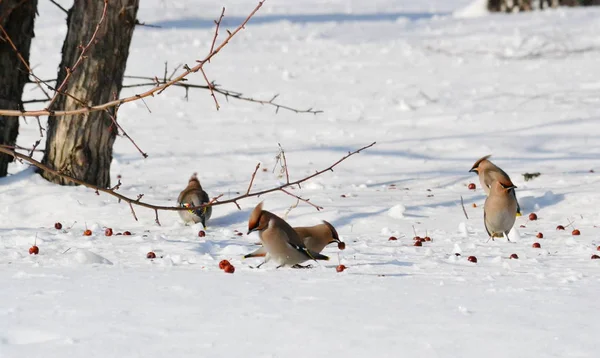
[[315, 238], [194, 195], [488, 172], [500, 209], [280, 242]]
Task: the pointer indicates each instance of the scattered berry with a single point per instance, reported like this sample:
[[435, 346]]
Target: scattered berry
[[126, 233], [87, 232], [418, 243], [34, 250], [342, 245], [427, 238], [57, 226], [201, 233], [472, 186], [522, 226], [392, 238], [560, 227], [474, 205], [598, 248], [108, 232], [223, 264], [514, 256], [533, 216], [151, 255], [576, 232], [239, 233], [229, 269], [340, 268], [119, 233], [536, 245], [343, 196], [594, 257], [456, 254], [539, 235], [472, 259], [417, 238]]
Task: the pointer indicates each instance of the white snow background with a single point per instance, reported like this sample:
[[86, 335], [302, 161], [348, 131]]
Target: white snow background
[[435, 84]]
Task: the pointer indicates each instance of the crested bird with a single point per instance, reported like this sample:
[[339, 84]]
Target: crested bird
[[500, 209], [488, 172], [193, 195], [280, 242], [315, 238]]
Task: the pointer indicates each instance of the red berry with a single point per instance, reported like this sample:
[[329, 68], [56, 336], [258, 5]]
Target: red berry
[[417, 238], [474, 205], [229, 269], [108, 232], [427, 238], [456, 254], [34, 250], [341, 245], [126, 233], [151, 255], [343, 196], [595, 257], [598, 248], [536, 245], [472, 186], [576, 232], [560, 227], [514, 256], [539, 235], [418, 243], [522, 225], [223, 264], [57, 226], [239, 233], [472, 259], [340, 268], [87, 232], [201, 233], [392, 238], [533, 216]]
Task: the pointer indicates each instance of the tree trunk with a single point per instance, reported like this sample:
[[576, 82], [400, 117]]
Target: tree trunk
[[81, 145], [17, 18]]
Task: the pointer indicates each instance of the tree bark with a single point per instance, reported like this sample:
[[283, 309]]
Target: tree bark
[[81, 145], [17, 18]]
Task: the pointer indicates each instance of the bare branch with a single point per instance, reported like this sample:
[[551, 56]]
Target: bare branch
[[252, 179], [213, 202]]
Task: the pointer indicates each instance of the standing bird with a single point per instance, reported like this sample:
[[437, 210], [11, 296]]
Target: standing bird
[[488, 172], [280, 242], [500, 209], [315, 238], [194, 195]]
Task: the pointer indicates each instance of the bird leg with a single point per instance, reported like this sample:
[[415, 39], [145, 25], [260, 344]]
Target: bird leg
[[298, 266]]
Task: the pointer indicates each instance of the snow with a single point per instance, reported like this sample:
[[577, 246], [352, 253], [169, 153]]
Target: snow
[[475, 9], [436, 92]]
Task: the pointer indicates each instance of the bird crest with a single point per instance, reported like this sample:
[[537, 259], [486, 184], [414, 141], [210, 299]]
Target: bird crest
[[254, 219], [478, 162]]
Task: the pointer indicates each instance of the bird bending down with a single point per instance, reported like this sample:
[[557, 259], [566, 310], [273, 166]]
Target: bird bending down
[[315, 238], [280, 242], [500, 209], [488, 172], [194, 195]]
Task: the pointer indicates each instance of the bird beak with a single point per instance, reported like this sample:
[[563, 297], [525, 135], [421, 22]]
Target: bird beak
[[250, 230], [473, 170]]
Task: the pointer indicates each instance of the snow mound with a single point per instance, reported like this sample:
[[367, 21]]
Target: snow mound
[[86, 257], [397, 211], [477, 8]]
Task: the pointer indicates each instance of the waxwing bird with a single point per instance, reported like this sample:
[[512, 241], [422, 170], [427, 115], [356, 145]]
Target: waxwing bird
[[500, 209], [488, 172], [194, 195], [315, 238], [280, 242]]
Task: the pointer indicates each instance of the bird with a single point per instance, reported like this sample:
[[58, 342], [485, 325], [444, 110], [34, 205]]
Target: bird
[[500, 208], [280, 242], [315, 238], [488, 172], [193, 195]]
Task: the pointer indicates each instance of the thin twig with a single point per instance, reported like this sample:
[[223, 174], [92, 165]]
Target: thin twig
[[213, 202], [217, 24], [287, 174], [59, 6], [79, 60], [463, 207], [252, 179]]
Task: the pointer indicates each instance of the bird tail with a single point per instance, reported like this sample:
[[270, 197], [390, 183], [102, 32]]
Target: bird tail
[[317, 256]]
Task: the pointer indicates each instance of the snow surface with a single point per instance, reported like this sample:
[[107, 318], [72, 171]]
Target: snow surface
[[435, 91]]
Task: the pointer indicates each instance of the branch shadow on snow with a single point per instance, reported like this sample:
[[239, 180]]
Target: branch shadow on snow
[[233, 21]]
